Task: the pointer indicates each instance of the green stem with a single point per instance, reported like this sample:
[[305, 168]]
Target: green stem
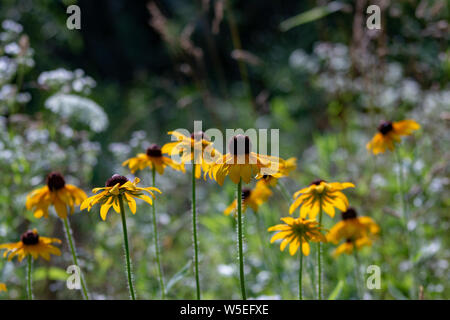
[[155, 240], [127, 250], [357, 275], [406, 218], [194, 231], [74, 256], [240, 240], [29, 280], [284, 191], [319, 262], [300, 271]]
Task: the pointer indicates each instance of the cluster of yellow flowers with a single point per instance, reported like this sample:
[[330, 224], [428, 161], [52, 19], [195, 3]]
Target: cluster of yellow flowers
[[241, 165]]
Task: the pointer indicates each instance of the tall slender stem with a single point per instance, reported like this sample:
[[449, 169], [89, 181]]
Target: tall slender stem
[[155, 240], [127, 250], [29, 280], [357, 275], [300, 271], [194, 232], [406, 218], [74, 256], [240, 240], [319, 261]]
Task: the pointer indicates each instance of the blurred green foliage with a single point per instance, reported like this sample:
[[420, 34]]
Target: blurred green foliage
[[83, 101]]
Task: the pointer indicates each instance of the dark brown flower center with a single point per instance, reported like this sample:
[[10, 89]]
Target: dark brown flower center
[[240, 145], [349, 240], [29, 238], [349, 214], [55, 181], [385, 127], [199, 135], [115, 179], [316, 182], [154, 151], [246, 193]]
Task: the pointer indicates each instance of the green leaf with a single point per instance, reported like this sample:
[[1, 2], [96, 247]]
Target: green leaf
[[336, 291], [52, 273], [396, 293], [178, 276], [311, 15]]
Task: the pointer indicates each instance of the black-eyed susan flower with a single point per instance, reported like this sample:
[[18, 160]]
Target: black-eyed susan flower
[[152, 158], [320, 195], [317, 197], [116, 188], [196, 149], [61, 196], [31, 244], [389, 133], [57, 193], [356, 231], [3, 287], [252, 198], [241, 164], [297, 233], [285, 168]]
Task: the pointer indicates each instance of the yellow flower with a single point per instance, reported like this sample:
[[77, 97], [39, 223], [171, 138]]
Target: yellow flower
[[296, 231], [320, 195], [118, 186], [354, 230], [252, 198], [242, 163], [389, 133], [56, 193], [31, 244], [152, 158], [3, 287], [348, 246], [285, 168], [196, 149]]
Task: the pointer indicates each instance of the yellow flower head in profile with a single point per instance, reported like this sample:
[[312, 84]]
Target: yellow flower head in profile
[[252, 198], [389, 133], [56, 193], [295, 232], [356, 231], [115, 188], [285, 168], [321, 195], [196, 149], [242, 163], [152, 158], [3, 287], [31, 244]]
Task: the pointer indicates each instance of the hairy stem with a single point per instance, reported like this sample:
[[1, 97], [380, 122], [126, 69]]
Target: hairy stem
[[300, 271], [29, 280], [127, 250], [155, 240], [194, 232], [240, 240], [74, 256], [319, 262]]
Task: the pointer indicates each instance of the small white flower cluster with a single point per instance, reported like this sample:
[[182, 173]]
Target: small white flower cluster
[[16, 57], [66, 81], [80, 109]]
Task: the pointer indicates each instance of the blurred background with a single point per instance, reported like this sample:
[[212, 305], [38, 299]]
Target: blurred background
[[82, 101]]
